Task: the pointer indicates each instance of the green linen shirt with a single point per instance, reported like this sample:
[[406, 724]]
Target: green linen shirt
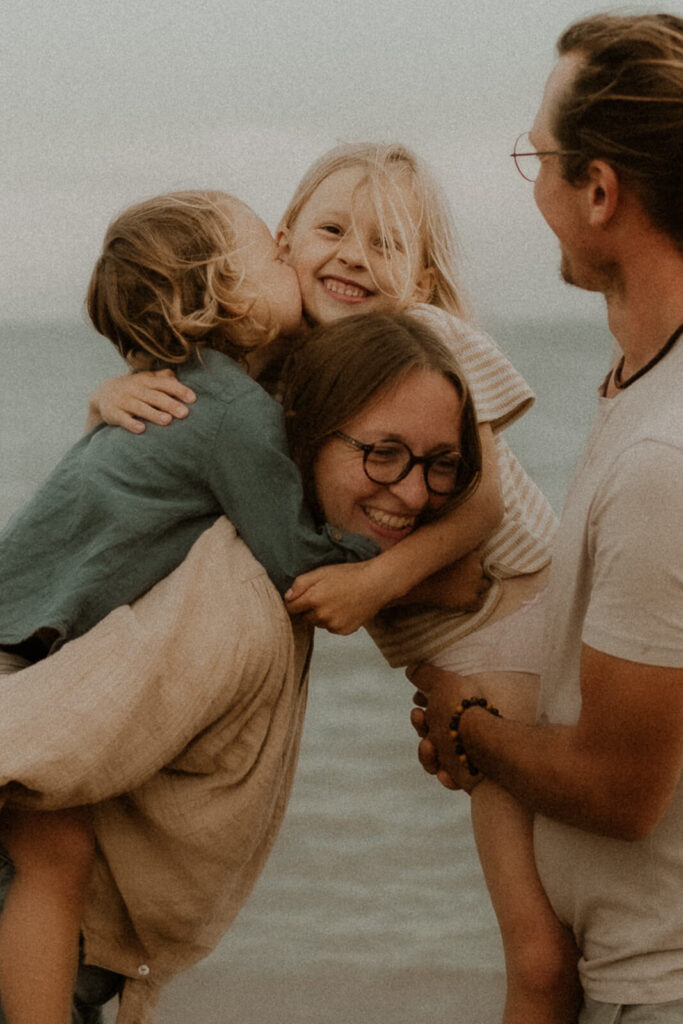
[[121, 511]]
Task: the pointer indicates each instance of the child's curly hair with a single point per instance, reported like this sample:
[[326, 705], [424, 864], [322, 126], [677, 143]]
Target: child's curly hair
[[167, 282]]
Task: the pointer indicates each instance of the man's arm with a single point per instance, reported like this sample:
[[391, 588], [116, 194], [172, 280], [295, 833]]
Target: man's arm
[[614, 772]]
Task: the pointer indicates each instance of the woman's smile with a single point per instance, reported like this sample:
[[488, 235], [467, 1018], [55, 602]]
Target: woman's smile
[[421, 411], [390, 522]]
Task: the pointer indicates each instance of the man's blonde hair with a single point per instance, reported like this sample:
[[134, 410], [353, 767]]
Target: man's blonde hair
[[625, 106], [167, 281], [386, 165]]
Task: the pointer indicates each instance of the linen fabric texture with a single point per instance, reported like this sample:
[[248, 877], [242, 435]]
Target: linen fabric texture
[[179, 719]]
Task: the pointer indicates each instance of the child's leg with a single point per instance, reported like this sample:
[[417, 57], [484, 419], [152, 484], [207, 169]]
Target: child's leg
[[40, 923], [540, 954]]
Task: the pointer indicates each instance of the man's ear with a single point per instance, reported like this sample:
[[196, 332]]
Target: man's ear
[[603, 193], [424, 286], [282, 239]]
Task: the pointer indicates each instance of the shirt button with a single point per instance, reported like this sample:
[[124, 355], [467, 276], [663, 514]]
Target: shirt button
[[143, 970], [337, 535]]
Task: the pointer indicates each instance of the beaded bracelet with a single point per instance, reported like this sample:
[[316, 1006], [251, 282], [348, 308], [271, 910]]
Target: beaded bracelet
[[454, 725]]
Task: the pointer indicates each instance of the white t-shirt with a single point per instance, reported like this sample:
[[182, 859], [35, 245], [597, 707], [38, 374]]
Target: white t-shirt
[[616, 585]]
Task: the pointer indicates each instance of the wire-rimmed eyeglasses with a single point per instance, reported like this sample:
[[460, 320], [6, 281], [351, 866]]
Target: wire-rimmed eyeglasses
[[527, 158], [388, 462]]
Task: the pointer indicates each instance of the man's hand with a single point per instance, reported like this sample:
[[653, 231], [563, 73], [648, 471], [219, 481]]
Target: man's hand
[[439, 693], [426, 751]]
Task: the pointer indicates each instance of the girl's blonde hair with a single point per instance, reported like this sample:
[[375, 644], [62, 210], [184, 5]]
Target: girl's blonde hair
[[434, 230], [167, 281]]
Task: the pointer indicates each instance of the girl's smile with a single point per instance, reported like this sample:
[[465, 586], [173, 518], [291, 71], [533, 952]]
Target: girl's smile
[[347, 261], [344, 290]]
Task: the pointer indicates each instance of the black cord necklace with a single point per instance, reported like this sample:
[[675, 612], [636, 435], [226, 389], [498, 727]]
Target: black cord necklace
[[616, 373]]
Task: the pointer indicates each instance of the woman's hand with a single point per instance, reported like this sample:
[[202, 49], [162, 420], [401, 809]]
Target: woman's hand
[[340, 598], [155, 396]]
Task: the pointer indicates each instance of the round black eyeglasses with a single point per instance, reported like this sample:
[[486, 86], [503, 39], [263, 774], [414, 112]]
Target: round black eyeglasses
[[528, 163], [388, 462]]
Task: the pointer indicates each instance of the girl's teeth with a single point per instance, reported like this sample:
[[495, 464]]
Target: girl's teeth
[[351, 290], [389, 521]]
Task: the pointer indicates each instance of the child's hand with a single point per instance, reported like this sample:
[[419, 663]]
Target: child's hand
[[340, 598], [461, 587], [155, 396], [469, 584]]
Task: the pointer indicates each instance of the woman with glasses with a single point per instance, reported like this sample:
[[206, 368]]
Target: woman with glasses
[[382, 425]]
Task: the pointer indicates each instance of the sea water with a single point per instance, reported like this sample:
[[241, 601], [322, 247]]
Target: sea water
[[374, 878]]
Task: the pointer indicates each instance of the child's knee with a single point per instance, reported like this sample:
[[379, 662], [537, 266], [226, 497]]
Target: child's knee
[[72, 843], [52, 844], [543, 968]]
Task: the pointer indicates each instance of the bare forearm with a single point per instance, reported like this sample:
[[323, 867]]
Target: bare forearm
[[534, 763], [614, 772], [550, 771]]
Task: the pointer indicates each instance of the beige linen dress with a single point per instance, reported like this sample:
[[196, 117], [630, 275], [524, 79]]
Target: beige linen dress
[[179, 719]]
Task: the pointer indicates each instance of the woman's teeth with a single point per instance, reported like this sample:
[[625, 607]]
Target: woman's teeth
[[388, 521]]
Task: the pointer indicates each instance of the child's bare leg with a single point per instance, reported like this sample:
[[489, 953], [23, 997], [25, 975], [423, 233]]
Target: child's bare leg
[[40, 923], [540, 954]]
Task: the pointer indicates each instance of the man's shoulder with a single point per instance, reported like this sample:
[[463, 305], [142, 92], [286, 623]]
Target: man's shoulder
[[651, 409]]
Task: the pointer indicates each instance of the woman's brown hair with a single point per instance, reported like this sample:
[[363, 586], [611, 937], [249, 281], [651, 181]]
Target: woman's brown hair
[[341, 368]]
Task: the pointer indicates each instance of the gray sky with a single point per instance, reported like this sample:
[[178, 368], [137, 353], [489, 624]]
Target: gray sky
[[104, 103]]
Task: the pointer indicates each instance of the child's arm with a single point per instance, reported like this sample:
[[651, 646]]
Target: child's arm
[[156, 396], [460, 587], [342, 597]]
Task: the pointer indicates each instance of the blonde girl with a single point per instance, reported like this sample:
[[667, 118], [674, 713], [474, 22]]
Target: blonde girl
[[368, 230]]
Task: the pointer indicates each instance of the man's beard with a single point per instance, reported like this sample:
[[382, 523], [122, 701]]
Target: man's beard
[[590, 276]]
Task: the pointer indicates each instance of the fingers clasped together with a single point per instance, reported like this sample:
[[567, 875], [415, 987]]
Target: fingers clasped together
[[436, 697]]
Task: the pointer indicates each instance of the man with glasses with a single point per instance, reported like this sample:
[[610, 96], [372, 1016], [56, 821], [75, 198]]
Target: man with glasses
[[602, 768]]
